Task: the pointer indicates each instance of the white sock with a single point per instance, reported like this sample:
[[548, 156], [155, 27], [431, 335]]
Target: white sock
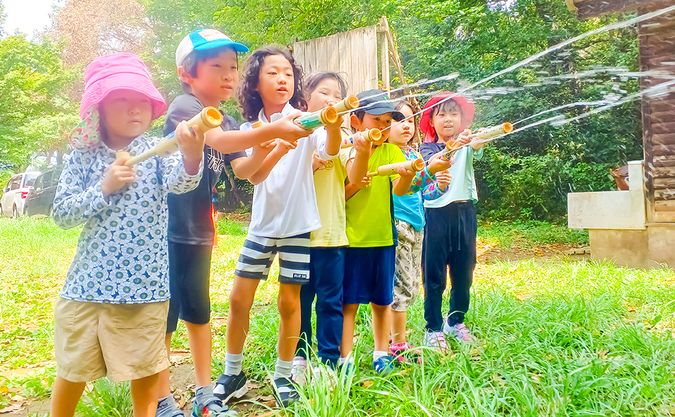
[[379, 354], [233, 363], [283, 369]]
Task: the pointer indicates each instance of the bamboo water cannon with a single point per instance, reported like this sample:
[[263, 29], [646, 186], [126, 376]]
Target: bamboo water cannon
[[494, 131], [347, 104], [485, 135], [309, 121], [209, 118], [374, 136], [390, 169]]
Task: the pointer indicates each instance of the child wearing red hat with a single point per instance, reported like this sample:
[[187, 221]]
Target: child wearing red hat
[[450, 231], [110, 318]]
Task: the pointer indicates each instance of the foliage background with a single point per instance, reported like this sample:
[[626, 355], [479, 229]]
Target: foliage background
[[526, 176]]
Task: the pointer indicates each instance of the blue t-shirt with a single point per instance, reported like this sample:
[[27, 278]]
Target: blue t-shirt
[[190, 220]]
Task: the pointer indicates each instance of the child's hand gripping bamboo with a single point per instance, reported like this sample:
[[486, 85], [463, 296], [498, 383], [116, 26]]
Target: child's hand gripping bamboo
[[190, 141], [404, 169], [208, 118]]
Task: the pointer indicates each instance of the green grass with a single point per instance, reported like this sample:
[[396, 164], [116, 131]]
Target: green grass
[[557, 336], [529, 234]]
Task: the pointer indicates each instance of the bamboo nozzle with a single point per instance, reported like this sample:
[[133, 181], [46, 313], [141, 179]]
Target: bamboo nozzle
[[209, 118]]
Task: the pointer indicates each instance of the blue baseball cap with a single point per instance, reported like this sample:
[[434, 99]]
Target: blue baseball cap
[[204, 39], [377, 102]]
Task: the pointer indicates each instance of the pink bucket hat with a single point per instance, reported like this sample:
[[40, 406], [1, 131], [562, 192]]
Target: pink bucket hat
[[121, 71], [467, 107]]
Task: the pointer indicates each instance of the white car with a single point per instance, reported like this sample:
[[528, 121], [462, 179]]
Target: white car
[[16, 192]]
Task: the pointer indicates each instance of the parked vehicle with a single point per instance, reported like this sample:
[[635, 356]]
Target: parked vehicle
[[15, 193], [41, 197]]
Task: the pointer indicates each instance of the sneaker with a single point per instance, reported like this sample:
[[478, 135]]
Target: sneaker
[[459, 331], [285, 391], [167, 407], [346, 367], [206, 404], [230, 386], [384, 364], [405, 351], [324, 374], [299, 371], [435, 340]]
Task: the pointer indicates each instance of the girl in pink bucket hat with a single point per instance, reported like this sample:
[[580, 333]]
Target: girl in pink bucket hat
[[450, 230], [110, 318]]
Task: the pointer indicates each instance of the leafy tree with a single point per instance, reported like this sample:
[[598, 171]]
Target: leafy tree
[[36, 110]]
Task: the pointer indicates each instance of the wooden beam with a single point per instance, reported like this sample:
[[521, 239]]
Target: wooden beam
[[586, 9]]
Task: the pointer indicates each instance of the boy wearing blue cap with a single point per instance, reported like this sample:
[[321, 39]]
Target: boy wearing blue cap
[[370, 258], [207, 63]]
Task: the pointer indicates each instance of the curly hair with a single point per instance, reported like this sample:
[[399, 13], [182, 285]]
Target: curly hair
[[249, 99]]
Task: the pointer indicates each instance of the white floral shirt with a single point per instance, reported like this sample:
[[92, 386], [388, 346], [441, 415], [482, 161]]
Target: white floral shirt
[[121, 255]]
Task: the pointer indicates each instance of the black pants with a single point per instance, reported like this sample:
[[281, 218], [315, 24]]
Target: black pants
[[449, 242], [189, 275]]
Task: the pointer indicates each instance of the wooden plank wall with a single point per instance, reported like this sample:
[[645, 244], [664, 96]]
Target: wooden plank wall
[[593, 8], [353, 54], [657, 52]]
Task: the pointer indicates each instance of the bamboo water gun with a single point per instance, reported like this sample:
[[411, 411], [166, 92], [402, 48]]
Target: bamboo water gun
[[309, 121], [329, 114], [484, 135], [209, 118], [391, 169], [373, 135], [347, 104]]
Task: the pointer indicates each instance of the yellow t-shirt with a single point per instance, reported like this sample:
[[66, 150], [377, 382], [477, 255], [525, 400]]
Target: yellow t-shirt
[[369, 211], [329, 185]]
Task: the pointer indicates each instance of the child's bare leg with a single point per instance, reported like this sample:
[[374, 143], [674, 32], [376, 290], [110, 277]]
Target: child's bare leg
[[289, 329], [399, 327], [144, 393], [349, 312], [65, 395], [164, 383], [381, 326], [241, 300], [200, 347]]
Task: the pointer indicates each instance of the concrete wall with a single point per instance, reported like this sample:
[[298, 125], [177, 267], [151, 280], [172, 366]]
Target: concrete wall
[[618, 226], [649, 248]]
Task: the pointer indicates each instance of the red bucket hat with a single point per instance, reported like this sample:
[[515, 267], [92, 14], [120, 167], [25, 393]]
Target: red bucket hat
[[467, 107]]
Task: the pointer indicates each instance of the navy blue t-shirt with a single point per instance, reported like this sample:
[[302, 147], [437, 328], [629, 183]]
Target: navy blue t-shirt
[[190, 219]]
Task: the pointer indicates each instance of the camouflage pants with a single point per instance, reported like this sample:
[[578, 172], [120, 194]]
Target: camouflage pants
[[408, 276]]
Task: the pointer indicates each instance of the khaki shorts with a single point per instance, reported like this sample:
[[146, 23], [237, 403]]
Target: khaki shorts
[[408, 266], [123, 341]]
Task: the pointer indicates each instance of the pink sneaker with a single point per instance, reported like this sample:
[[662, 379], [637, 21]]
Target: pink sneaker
[[405, 351]]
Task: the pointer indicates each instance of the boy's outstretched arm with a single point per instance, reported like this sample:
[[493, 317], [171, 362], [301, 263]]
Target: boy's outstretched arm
[[280, 149], [402, 184], [238, 140], [244, 168], [334, 137], [357, 167]]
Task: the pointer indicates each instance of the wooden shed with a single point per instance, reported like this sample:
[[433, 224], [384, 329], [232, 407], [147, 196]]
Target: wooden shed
[[364, 56]]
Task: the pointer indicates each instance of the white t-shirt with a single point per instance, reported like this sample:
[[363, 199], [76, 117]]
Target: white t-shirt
[[284, 204]]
